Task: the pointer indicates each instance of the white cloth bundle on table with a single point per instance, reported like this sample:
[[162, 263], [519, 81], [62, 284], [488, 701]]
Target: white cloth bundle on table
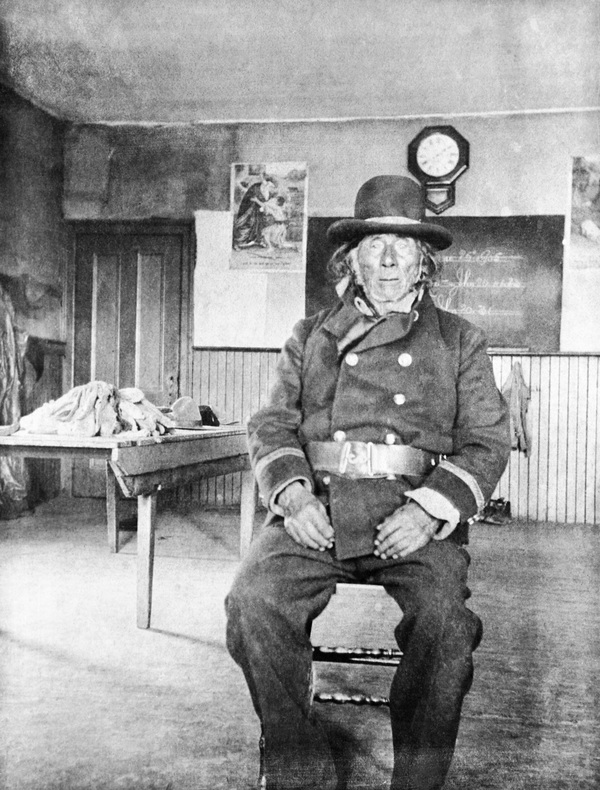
[[98, 409]]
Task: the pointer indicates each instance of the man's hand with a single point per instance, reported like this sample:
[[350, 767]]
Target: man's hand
[[305, 518], [409, 528]]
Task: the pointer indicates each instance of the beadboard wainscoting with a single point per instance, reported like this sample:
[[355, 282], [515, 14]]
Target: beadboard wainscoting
[[557, 480], [235, 383]]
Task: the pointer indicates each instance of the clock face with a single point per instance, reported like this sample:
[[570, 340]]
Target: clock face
[[437, 154]]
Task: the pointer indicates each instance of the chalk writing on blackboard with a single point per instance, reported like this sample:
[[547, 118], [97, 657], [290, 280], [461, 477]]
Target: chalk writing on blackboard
[[480, 257], [484, 284]]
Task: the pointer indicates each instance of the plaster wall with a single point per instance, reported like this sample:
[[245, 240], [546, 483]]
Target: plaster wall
[[520, 164]]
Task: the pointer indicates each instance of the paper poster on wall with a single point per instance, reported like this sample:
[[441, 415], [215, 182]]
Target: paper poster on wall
[[582, 237], [239, 309], [269, 215]]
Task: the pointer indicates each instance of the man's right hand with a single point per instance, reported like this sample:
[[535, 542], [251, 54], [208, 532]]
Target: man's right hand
[[305, 518]]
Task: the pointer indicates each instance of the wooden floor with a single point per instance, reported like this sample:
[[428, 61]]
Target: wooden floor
[[534, 711], [88, 701]]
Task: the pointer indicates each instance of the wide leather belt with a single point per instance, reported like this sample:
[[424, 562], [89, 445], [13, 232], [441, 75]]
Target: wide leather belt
[[367, 459]]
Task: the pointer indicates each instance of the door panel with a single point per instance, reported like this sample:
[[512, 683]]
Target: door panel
[[127, 321], [104, 350], [127, 324]]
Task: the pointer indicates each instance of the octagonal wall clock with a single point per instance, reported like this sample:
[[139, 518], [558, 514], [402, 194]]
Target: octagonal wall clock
[[437, 157]]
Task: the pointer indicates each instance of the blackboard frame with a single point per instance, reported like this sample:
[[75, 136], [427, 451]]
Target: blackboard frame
[[513, 286]]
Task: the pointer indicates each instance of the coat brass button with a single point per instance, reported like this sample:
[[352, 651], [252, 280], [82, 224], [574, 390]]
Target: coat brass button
[[390, 438], [404, 360], [339, 436], [326, 480], [399, 399], [352, 359]]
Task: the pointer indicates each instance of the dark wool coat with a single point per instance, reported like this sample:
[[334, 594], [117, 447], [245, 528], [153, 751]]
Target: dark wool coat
[[423, 377]]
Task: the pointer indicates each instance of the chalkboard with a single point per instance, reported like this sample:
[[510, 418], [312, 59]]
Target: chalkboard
[[503, 274]]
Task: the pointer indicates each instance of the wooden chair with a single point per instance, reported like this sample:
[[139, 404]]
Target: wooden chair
[[356, 629]]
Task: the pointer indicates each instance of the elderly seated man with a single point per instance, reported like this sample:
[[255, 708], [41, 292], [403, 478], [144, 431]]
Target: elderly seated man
[[384, 433]]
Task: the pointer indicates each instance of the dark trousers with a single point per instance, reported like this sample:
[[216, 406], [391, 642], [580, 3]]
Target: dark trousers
[[278, 591]]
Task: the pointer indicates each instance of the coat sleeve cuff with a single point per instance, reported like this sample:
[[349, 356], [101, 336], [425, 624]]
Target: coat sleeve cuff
[[278, 469], [459, 487], [437, 506]]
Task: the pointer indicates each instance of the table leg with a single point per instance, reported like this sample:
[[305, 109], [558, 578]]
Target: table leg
[[145, 557], [112, 510], [247, 510]]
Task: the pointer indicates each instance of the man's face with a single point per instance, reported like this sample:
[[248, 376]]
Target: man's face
[[387, 266]]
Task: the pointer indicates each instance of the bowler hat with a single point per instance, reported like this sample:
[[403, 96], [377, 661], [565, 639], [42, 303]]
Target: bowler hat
[[389, 204]]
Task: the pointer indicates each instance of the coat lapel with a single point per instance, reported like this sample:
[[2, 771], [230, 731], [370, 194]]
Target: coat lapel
[[398, 325], [352, 329], [348, 325]]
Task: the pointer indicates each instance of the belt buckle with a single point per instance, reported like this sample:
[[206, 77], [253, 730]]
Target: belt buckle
[[356, 459]]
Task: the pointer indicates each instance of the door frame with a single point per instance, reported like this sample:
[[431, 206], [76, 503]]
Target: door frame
[[157, 227]]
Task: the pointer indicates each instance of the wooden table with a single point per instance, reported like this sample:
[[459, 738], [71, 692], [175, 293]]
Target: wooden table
[[142, 467]]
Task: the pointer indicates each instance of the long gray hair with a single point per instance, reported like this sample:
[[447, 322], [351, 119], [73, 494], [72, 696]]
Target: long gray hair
[[340, 266]]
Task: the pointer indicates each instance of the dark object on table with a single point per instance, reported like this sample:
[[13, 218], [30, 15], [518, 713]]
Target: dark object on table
[[208, 416]]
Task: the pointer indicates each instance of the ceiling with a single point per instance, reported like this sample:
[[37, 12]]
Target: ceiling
[[165, 61]]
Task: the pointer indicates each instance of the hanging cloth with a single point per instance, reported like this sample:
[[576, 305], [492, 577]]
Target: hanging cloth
[[13, 473], [517, 395]]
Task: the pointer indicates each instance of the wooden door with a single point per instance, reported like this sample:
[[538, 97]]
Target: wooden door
[[128, 320]]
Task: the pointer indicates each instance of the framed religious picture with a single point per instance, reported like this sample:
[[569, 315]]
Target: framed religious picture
[[582, 237], [269, 217]]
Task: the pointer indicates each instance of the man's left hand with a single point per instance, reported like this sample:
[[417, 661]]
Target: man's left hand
[[409, 528]]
